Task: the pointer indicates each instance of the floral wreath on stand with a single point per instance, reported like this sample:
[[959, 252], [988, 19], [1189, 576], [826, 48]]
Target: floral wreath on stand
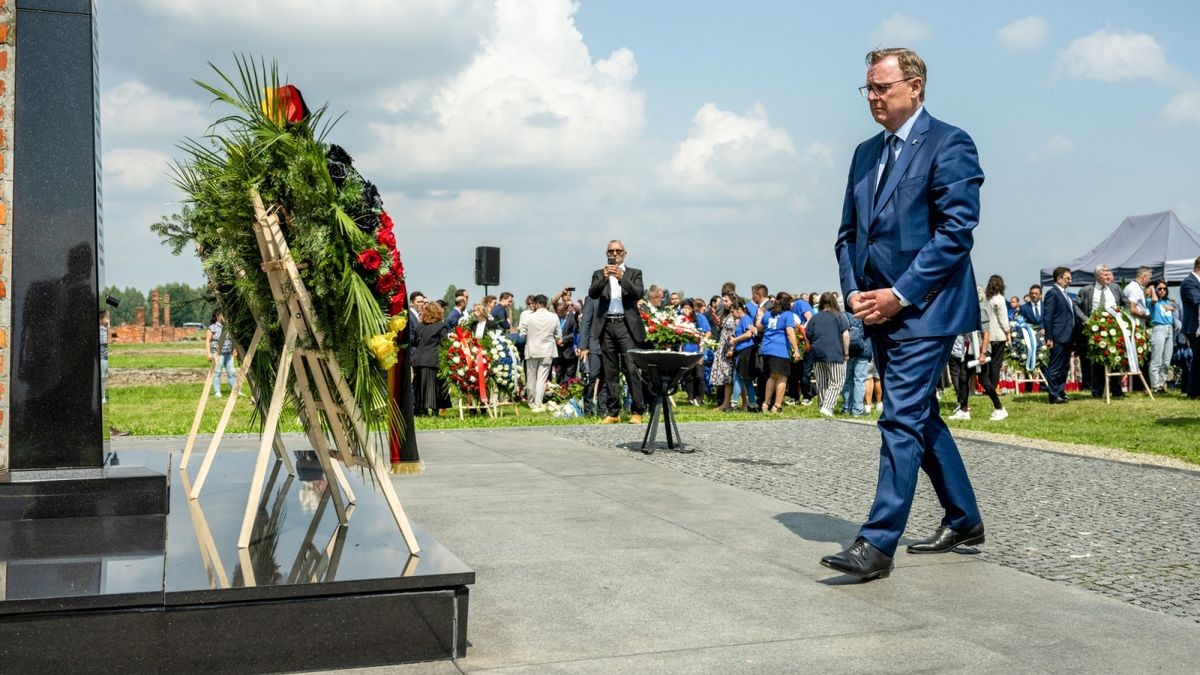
[[504, 373], [464, 363], [1017, 356], [1106, 340]]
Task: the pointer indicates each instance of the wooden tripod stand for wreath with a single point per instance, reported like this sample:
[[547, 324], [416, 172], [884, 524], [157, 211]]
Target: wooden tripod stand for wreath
[[324, 395]]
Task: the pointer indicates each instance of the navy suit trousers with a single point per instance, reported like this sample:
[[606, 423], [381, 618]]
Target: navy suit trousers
[[915, 438], [1056, 370]]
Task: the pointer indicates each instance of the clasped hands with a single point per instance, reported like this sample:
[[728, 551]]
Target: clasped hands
[[613, 271], [875, 307]]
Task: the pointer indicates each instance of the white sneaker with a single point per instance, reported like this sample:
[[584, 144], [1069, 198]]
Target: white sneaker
[[961, 415], [1000, 414], [827, 412], [217, 395]]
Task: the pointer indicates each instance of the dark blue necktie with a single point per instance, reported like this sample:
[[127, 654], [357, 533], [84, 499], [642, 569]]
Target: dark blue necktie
[[890, 161]]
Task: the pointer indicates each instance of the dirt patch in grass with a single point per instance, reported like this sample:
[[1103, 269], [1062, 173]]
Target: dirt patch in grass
[[134, 377]]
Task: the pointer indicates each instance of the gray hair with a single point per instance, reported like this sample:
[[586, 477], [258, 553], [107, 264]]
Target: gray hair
[[1142, 270], [1101, 268]]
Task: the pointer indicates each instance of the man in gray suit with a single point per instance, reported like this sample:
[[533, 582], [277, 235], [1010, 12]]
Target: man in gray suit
[[1103, 295]]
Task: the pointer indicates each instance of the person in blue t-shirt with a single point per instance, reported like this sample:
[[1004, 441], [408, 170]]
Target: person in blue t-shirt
[[800, 379], [743, 356], [779, 348]]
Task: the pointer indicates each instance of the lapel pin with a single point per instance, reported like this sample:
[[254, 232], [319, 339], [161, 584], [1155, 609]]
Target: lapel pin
[[914, 141]]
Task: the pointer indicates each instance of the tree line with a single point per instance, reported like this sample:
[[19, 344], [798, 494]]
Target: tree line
[[188, 304]]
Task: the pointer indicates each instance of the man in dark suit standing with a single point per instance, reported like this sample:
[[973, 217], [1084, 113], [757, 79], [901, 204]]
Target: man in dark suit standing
[[1104, 294], [1059, 324], [618, 325], [904, 256], [1032, 311], [1189, 315]]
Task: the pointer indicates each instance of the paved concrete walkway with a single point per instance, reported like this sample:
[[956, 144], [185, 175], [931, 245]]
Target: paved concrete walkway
[[591, 557]]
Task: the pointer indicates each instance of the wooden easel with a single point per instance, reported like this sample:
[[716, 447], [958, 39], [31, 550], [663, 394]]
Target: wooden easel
[[493, 407], [1124, 373], [318, 377]]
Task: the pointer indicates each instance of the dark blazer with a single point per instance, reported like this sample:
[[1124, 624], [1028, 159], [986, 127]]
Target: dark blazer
[[1085, 297], [1058, 316], [1026, 312], [587, 339], [567, 349], [917, 236], [631, 292], [426, 344], [1189, 314]]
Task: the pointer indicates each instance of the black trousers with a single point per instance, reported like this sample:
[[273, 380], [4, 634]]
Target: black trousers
[[1194, 381], [563, 368], [1056, 370], [615, 342], [593, 372], [990, 376], [960, 377]]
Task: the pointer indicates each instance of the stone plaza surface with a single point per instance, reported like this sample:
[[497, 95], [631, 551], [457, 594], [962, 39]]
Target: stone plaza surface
[[591, 557]]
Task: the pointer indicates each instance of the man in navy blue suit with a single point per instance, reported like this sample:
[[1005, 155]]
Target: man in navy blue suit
[[1059, 324], [1189, 314], [904, 255], [1033, 311]]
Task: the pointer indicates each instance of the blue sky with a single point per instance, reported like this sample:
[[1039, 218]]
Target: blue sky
[[713, 137]]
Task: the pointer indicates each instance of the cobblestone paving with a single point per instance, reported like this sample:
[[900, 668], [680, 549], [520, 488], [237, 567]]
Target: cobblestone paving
[[1126, 531]]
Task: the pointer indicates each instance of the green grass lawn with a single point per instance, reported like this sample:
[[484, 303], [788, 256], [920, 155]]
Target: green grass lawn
[[1168, 425]]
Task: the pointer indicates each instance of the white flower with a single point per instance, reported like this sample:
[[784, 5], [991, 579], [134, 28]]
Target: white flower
[[1112, 332], [1095, 328]]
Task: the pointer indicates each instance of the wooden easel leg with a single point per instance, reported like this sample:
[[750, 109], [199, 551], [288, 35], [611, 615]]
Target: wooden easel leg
[[191, 437], [282, 453], [1107, 396], [226, 414], [316, 435], [389, 493], [270, 427], [1145, 386]]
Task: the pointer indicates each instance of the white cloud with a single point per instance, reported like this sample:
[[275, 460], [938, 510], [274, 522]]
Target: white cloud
[[820, 152], [134, 168], [1054, 146], [1184, 108], [899, 30], [532, 99], [134, 110], [1026, 33], [727, 155], [1111, 56]]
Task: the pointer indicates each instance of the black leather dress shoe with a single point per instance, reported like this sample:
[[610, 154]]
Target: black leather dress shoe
[[861, 560], [945, 539], [1054, 401]]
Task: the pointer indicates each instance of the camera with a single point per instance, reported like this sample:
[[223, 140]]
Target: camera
[[570, 288], [612, 260]]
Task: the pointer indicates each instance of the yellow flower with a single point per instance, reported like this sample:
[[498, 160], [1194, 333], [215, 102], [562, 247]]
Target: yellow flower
[[398, 322], [383, 346]]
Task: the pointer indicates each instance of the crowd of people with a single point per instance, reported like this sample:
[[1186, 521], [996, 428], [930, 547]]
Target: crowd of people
[[769, 350]]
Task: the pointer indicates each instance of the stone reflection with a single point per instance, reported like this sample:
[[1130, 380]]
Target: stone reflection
[[57, 317]]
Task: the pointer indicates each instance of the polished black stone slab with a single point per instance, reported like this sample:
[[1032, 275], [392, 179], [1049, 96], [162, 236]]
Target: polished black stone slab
[[56, 417], [308, 593], [83, 493]]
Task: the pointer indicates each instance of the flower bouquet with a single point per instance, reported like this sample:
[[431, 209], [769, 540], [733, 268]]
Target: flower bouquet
[[1110, 335], [565, 391], [464, 362], [667, 330]]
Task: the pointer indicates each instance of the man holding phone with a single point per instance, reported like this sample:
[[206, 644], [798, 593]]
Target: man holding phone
[[618, 326]]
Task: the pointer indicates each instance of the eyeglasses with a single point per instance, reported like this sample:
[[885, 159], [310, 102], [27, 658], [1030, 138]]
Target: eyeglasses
[[881, 88], [614, 251]]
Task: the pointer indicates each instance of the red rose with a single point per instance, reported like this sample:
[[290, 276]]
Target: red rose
[[396, 304], [385, 221], [678, 330], [385, 284], [370, 260], [1096, 338], [386, 238]]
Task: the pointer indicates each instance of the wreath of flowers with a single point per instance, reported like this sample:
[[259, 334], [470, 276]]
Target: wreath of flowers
[[464, 362], [1106, 344], [504, 371], [1017, 356], [268, 141], [667, 330]]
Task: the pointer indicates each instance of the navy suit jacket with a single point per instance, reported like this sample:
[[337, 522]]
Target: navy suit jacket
[[1026, 312], [1058, 316], [1189, 315], [918, 236]]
